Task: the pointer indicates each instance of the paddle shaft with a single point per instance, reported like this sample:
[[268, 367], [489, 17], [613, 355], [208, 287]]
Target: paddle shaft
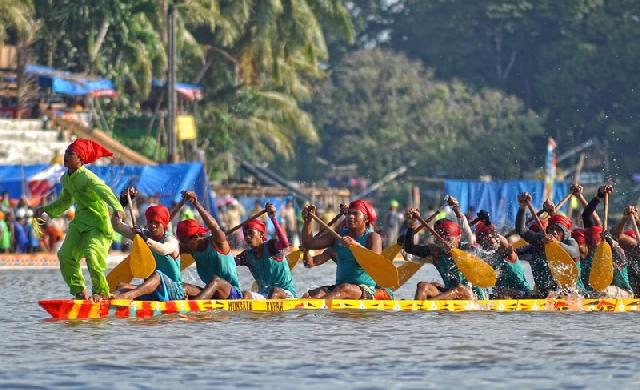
[[535, 215], [176, 209], [540, 212], [432, 231], [130, 204], [431, 218], [606, 210], [233, 229], [326, 227]]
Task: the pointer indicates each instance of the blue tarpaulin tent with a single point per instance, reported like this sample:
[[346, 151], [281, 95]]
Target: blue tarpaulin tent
[[66, 83], [500, 198], [163, 180]]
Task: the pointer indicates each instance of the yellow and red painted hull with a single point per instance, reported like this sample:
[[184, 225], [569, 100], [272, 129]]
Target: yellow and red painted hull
[[78, 309]]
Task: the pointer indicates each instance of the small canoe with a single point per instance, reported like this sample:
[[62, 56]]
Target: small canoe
[[121, 308]]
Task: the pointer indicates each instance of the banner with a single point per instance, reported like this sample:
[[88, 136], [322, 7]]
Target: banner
[[550, 169], [186, 128]]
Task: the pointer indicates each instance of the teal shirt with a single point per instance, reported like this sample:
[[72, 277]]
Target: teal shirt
[[510, 274], [269, 269], [168, 265], [349, 270], [452, 276], [211, 263], [541, 273]]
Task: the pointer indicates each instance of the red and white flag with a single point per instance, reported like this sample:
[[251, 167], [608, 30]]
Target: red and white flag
[[43, 182]]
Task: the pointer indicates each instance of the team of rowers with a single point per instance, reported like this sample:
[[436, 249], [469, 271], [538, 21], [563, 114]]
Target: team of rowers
[[90, 233]]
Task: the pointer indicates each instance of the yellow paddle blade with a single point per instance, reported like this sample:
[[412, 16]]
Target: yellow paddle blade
[[406, 271], [293, 257], [563, 267], [519, 244], [601, 274], [474, 269], [377, 266], [186, 259], [120, 274], [141, 261], [391, 251]]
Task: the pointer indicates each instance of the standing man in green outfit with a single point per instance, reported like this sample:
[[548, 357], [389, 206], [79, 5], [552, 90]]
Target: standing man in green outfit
[[89, 234]]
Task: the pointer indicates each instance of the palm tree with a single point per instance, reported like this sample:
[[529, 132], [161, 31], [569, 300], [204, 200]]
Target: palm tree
[[15, 15]]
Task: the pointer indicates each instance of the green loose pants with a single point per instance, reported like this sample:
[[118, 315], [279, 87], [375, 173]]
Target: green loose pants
[[93, 245]]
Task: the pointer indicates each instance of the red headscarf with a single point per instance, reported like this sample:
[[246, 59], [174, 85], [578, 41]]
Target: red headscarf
[[630, 233], [561, 220], [579, 236], [447, 228], [483, 230], [256, 224], [189, 228], [366, 208], [158, 214], [594, 235], [88, 150]]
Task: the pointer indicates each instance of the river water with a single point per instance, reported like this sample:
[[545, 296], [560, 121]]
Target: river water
[[315, 349]]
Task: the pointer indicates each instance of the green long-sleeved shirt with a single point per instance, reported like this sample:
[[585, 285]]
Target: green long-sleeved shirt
[[91, 197]]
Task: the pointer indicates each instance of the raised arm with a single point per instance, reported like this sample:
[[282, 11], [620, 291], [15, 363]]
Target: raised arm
[[409, 246], [320, 241], [218, 238], [578, 191], [467, 234], [521, 228], [282, 242]]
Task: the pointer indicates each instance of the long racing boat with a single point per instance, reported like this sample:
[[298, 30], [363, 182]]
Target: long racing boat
[[120, 308]]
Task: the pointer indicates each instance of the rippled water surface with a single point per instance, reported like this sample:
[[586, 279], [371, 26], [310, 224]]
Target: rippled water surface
[[316, 349]]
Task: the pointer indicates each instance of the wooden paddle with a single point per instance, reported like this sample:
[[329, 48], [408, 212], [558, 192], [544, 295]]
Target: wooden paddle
[[141, 259], [521, 242], [473, 268], [392, 250], [561, 264], [601, 274], [254, 216], [377, 266]]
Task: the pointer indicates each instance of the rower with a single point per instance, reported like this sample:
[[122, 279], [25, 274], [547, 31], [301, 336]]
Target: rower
[[620, 286], [212, 253], [558, 229], [496, 250], [165, 283], [352, 281], [89, 234], [455, 285], [628, 240], [266, 258]]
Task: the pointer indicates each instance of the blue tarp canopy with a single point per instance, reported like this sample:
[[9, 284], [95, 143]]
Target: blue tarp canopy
[[66, 83], [500, 198], [163, 180]]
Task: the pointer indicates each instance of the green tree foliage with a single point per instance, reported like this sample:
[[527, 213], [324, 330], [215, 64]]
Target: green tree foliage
[[381, 110], [574, 60]]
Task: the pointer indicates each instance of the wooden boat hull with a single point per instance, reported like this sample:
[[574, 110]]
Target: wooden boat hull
[[78, 309]]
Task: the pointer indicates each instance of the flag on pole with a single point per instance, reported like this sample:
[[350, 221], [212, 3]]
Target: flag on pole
[[550, 169], [43, 182]]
